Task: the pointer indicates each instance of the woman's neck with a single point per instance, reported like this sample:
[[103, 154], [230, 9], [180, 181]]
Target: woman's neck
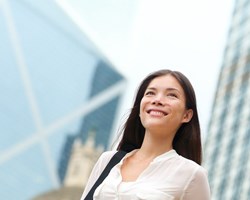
[[154, 146]]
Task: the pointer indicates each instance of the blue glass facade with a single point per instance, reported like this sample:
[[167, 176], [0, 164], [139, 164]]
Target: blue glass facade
[[49, 74]]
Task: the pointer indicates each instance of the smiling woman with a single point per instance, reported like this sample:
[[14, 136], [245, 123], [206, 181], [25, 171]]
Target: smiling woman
[[162, 140], [163, 108]]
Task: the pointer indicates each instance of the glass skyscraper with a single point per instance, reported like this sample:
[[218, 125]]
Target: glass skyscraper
[[227, 147], [55, 87]]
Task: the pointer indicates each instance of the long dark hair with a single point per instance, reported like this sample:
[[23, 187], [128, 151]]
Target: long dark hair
[[187, 140]]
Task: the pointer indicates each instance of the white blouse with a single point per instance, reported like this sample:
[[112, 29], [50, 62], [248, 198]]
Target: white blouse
[[168, 177]]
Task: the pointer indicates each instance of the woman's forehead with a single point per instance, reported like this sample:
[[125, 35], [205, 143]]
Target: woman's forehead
[[166, 81]]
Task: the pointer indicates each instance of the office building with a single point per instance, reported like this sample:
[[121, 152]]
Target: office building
[[55, 86], [227, 147]]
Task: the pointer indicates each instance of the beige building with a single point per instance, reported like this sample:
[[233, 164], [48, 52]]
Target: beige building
[[82, 160]]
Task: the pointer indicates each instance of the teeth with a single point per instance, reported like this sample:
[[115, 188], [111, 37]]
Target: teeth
[[157, 113]]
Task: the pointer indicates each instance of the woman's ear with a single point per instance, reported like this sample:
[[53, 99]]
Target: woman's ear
[[187, 116]]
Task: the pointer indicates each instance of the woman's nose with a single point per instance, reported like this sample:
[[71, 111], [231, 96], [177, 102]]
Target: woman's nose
[[158, 100]]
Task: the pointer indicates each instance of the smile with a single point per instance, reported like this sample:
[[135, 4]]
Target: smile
[[156, 112]]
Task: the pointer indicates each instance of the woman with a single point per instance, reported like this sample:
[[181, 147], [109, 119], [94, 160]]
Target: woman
[[162, 138]]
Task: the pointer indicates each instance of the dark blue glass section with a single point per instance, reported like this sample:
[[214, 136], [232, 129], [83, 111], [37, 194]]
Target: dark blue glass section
[[104, 77], [100, 119]]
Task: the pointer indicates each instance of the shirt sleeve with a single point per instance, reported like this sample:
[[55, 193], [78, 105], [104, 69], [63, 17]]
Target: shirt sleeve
[[198, 188], [97, 170]]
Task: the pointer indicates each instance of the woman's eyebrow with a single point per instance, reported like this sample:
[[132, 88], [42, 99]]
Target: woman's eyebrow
[[167, 89], [172, 89]]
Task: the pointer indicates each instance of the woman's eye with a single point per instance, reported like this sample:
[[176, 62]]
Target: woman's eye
[[172, 95], [149, 93]]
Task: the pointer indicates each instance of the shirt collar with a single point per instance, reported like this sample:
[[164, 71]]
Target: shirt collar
[[169, 154]]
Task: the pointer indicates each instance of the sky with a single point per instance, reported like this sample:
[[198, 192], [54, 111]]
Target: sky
[[142, 36]]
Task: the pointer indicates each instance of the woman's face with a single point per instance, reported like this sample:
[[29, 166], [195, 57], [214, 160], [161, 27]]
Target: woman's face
[[162, 107]]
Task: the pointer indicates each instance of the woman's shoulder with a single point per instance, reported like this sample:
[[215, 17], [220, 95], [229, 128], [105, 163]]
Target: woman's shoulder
[[190, 165], [197, 185]]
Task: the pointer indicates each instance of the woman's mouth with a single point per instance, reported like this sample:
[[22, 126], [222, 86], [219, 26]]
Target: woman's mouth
[[157, 112]]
